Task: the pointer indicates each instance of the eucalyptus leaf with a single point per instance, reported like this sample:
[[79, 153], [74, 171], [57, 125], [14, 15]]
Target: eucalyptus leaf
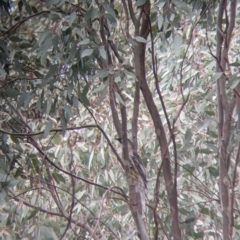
[[11, 92], [141, 39], [84, 41], [47, 129], [86, 52], [177, 44], [140, 3]]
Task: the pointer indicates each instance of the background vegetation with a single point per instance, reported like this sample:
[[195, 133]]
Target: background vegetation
[[74, 75]]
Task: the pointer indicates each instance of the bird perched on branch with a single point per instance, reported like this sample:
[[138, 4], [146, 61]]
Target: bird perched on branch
[[135, 163]]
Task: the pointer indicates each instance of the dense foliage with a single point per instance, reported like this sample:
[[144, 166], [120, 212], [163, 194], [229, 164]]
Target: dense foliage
[[60, 173]]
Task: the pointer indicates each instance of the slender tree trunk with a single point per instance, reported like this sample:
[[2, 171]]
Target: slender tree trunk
[[225, 108]]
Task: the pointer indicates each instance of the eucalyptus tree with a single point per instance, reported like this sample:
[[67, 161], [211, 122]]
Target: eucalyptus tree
[[76, 76]]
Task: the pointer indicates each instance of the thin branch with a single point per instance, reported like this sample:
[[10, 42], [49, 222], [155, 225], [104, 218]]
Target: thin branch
[[22, 200], [132, 13], [127, 18], [189, 42], [100, 210], [80, 224], [68, 129], [135, 114], [18, 24], [73, 193], [112, 99]]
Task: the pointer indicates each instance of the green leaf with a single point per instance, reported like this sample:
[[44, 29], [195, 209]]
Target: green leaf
[[18, 67], [102, 73], [189, 169], [84, 41], [86, 52], [235, 64], [89, 12], [94, 14], [52, 70], [237, 226], [109, 10], [213, 134], [15, 39], [188, 135], [68, 112], [63, 123], [11, 92], [213, 171], [90, 160], [47, 129], [131, 42], [3, 46], [72, 18], [3, 74], [69, 90], [58, 177], [141, 39], [12, 183], [34, 9], [28, 9], [35, 164], [205, 150], [47, 233], [47, 106], [14, 139], [140, 3], [32, 214], [207, 211], [3, 165], [177, 43], [83, 95], [20, 5], [110, 18], [49, 3], [103, 53], [160, 21], [119, 98], [100, 89], [44, 35], [22, 99], [27, 100], [72, 53], [25, 45], [54, 16], [76, 103], [182, 5]]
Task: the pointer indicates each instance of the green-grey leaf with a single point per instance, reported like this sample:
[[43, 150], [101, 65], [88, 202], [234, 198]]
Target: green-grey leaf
[[51, 71], [72, 17], [100, 89], [86, 52], [11, 92], [58, 177], [15, 39], [160, 21], [177, 43], [103, 53], [47, 129], [69, 90], [140, 39], [51, 2], [84, 41], [119, 98], [131, 41], [32, 214], [140, 3]]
